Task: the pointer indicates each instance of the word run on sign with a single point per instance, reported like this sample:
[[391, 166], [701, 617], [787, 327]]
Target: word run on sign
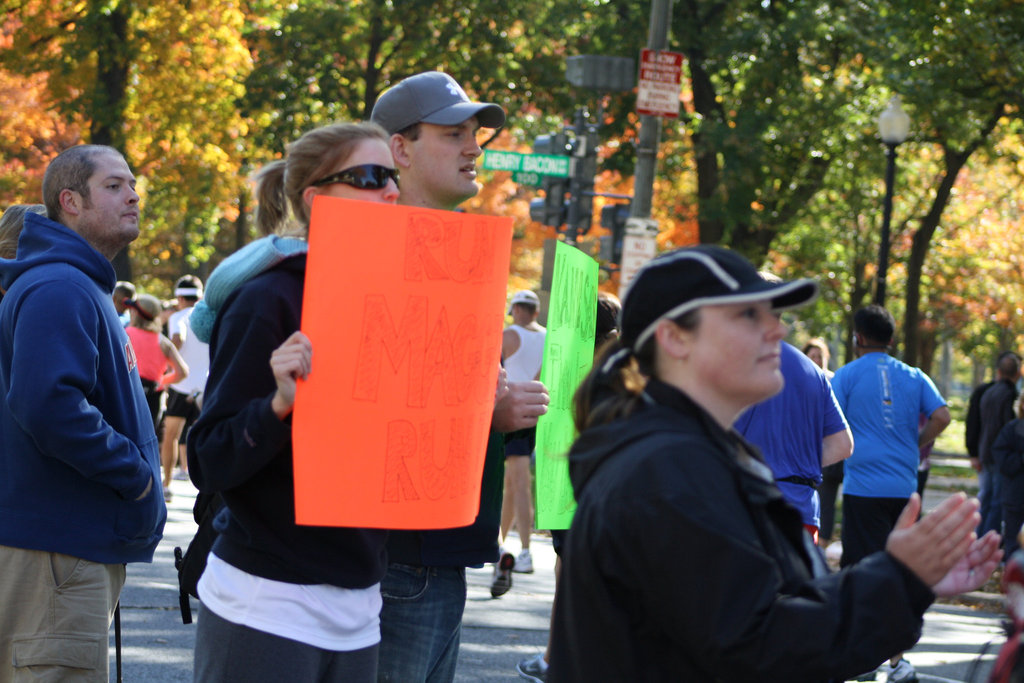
[[542, 164]]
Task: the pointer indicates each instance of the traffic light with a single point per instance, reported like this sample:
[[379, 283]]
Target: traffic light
[[557, 144], [584, 152], [613, 217], [552, 209]]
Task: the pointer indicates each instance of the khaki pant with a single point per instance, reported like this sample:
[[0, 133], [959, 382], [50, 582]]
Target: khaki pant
[[55, 613]]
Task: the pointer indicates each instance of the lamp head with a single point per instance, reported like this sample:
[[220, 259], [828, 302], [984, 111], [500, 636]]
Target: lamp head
[[893, 123]]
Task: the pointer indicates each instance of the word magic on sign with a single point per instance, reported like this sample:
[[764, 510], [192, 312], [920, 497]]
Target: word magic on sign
[[404, 308]]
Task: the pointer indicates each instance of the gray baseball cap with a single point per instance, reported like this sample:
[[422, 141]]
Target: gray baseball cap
[[431, 97]]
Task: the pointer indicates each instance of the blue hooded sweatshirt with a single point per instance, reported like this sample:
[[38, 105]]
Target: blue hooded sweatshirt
[[77, 445]]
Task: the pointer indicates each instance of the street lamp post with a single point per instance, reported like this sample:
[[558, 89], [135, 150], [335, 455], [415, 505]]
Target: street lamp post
[[893, 128]]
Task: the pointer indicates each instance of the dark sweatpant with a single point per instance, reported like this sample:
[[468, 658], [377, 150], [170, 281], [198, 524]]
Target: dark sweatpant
[[230, 653], [866, 525]]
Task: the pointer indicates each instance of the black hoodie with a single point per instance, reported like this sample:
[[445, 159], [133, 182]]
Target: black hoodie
[[684, 563], [240, 448]]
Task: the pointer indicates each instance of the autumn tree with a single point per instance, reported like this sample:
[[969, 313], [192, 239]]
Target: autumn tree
[[158, 81], [960, 67], [769, 83], [973, 282], [31, 133]]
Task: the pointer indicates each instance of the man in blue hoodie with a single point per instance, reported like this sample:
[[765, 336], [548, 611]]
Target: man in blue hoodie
[[79, 462]]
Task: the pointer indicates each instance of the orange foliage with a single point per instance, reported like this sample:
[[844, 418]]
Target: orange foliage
[[976, 272], [31, 134]]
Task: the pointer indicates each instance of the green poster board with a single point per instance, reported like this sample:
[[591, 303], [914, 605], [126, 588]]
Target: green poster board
[[568, 355]]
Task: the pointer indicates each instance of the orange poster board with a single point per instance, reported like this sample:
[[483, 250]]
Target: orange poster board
[[404, 308]]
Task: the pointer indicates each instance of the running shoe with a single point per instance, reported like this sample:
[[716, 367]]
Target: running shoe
[[533, 668], [502, 581], [524, 563]]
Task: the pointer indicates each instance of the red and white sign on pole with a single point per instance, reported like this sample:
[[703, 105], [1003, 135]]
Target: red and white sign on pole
[[660, 83]]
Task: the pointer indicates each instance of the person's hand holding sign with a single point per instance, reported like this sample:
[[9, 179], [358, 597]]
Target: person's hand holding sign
[[290, 361], [520, 407], [501, 391]]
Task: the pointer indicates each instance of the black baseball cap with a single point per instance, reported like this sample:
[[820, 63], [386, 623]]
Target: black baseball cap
[[679, 281]]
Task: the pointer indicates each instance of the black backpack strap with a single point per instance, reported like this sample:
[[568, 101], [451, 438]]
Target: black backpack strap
[[183, 602], [191, 562]]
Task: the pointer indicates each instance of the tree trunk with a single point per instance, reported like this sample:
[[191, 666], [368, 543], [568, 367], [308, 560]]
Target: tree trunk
[[954, 162], [919, 251], [378, 35], [926, 350], [242, 222], [107, 126], [711, 230], [113, 61]]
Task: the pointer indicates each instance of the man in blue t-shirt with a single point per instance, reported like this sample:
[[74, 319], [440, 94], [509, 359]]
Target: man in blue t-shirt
[[883, 399], [799, 431]]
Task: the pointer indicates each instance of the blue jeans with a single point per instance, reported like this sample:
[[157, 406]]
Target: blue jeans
[[991, 506], [421, 623]]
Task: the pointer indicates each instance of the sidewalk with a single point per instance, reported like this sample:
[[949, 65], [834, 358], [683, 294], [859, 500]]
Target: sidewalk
[[157, 647], [968, 483], [497, 633]]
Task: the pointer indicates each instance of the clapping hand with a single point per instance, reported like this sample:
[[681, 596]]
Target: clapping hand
[[973, 569], [942, 549]]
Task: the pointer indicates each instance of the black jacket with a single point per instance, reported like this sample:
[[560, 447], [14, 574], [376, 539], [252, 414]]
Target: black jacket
[[684, 563], [1008, 455], [972, 425], [995, 409], [239, 448]]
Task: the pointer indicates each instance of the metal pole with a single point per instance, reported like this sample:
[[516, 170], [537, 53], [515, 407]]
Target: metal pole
[[650, 126], [883, 246]]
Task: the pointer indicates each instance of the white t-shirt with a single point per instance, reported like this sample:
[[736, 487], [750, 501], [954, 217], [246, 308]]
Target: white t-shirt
[[327, 617], [524, 364], [195, 353]]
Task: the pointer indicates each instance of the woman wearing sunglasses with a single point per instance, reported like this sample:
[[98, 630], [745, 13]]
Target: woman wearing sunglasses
[[684, 562], [281, 601]]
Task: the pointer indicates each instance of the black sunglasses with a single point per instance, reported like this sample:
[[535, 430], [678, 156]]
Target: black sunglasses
[[363, 177]]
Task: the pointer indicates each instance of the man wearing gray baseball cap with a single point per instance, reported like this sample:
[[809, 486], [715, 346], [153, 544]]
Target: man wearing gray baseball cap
[[432, 97], [433, 126]]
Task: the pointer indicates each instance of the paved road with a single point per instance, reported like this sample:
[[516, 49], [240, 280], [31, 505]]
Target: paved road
[[497, 633]]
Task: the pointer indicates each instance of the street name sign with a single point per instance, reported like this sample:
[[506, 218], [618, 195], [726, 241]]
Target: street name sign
[[541, 164], [523, 178]]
